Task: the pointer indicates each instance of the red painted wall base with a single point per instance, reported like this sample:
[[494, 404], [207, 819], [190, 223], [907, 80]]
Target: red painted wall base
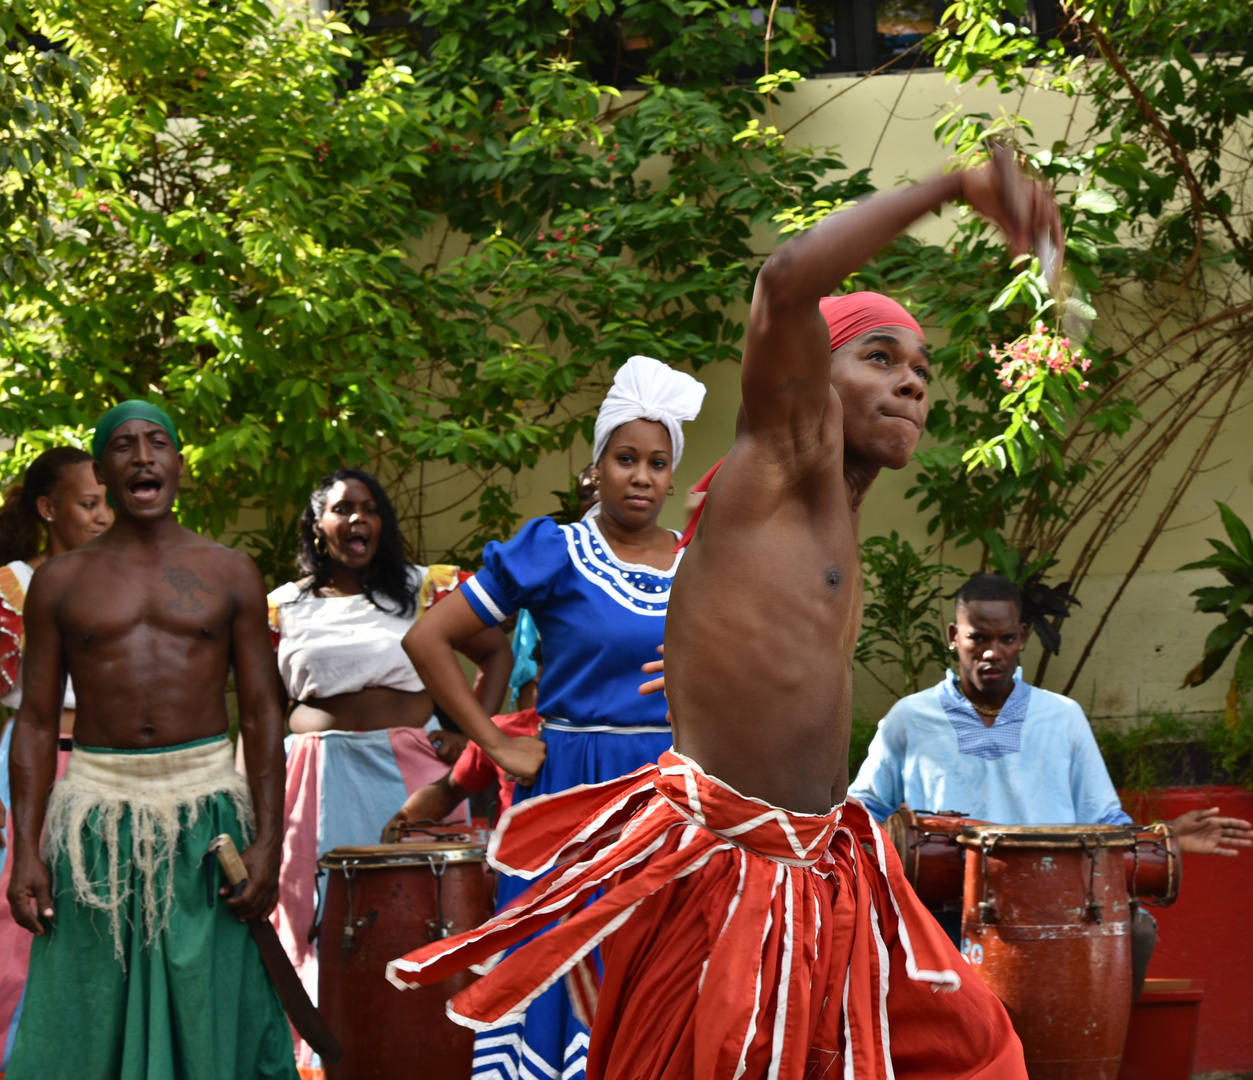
[[1161, 1041], [1208, 933]]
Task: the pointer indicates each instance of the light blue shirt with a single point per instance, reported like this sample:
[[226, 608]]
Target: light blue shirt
[[1038, 764]]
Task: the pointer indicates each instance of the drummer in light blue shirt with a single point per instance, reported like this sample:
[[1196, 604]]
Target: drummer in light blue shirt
[[990, 746]]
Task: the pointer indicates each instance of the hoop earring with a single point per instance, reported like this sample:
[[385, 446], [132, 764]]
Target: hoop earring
[[671, 490], [595, 481], [319, 546]]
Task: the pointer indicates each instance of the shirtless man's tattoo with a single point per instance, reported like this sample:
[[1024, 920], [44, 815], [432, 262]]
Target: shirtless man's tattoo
[[186, 584]]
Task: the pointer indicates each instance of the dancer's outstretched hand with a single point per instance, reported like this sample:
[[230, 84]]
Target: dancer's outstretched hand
[[1021, 208]]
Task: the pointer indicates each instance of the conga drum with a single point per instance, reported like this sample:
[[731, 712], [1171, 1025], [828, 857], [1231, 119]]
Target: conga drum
[[382, 901], [934, 862], [1046, 924], [1153, 865]]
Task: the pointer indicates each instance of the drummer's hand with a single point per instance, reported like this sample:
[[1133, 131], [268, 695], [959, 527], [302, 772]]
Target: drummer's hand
[[434, 802], [261, 889], [1203, 832], [521, 758], [449, 744], [651, 668]]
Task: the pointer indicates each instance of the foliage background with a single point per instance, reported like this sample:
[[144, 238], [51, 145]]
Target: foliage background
[[317, 248]]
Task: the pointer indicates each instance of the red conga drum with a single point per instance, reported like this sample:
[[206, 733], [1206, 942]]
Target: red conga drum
[[934, 862], [1153, 866], [1046, 924], [382, 901]]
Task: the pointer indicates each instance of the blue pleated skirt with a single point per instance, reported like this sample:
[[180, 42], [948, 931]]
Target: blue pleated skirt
[[549, 1043]]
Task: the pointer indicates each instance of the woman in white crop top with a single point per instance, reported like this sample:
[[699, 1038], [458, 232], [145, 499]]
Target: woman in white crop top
[[358, 746], [57, 506]]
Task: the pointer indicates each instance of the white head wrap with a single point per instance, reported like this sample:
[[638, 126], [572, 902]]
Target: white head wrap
[[646, 389]]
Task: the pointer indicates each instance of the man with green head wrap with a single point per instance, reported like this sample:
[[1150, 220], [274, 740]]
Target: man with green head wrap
[[130, 410], [161, 977]]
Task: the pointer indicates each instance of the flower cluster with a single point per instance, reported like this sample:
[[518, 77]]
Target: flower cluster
[[573, 235], [1033, 354]]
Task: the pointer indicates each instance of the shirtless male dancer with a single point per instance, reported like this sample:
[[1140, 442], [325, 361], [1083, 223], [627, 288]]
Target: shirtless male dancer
[[137, 968], [748, 928]]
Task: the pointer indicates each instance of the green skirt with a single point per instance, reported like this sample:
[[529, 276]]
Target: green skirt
[[194, 1003]]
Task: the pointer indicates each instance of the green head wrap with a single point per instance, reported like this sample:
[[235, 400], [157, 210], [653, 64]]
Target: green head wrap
[[129, 410]]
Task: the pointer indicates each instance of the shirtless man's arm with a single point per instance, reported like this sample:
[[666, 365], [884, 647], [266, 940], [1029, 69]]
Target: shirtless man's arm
[[261, 733], [33, 755], [767, 604]]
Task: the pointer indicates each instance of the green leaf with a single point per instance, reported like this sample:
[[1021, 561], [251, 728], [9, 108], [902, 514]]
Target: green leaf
[[1228, 632], [1238, 531], [1096, 201]]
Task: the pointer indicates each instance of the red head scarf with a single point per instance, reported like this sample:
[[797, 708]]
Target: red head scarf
[[847, 316], [855, 313]]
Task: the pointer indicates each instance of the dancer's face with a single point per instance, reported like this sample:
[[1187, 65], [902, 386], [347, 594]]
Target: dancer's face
[[141, 468], [635, 473], [881, 378], [75, 512], [350, 524]]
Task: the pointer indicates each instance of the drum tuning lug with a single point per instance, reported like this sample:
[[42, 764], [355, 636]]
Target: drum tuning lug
[[988, 913], [437, 929], [351, 926]]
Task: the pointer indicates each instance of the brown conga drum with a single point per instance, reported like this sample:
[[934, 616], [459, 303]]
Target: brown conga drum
[[934, 862], [382, 901], [1153, 866], [1046, 924]]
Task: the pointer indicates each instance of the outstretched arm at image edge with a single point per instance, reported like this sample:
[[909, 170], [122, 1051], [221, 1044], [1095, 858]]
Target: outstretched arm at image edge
[[33, 754]]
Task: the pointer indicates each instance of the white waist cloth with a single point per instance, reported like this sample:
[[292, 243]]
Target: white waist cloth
[[331, 645], [557, 724], [162, 791]]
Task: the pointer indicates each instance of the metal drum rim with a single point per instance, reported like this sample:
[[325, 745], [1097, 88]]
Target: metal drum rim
[[1046, 836], [377, 856]]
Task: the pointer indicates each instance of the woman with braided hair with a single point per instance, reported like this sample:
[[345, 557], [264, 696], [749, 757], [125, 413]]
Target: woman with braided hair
[[56, 506]]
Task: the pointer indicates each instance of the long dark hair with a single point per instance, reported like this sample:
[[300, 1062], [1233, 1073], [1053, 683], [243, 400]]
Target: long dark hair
[[21, 528], [388, 573]]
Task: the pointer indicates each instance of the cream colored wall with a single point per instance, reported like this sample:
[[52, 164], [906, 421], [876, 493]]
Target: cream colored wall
[[1153, 636]]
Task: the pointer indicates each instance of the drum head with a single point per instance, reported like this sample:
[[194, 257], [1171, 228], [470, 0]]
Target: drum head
[[376, 856], [1046, 836]]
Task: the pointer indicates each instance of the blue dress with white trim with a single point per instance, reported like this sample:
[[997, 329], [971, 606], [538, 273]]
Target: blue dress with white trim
[[600, 620]]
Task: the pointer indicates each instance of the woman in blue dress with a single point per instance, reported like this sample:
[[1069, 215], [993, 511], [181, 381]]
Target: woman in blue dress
[[598, 591]]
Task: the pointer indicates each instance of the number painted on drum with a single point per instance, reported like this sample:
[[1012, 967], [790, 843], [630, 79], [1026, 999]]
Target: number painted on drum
[[972, 951]]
